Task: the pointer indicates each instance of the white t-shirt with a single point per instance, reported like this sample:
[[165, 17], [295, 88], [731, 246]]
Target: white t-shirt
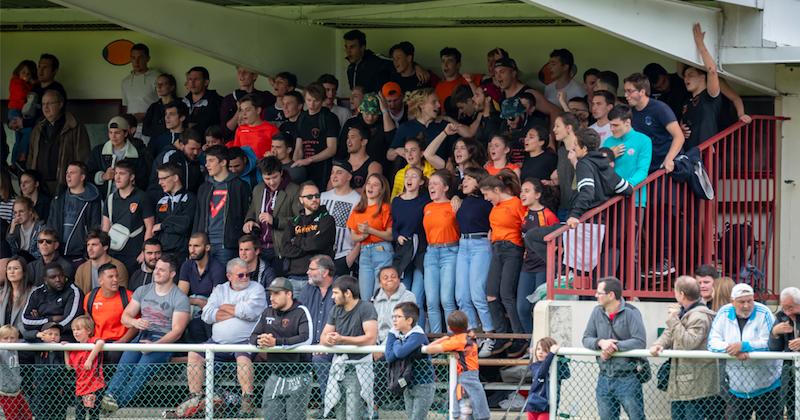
[[572, 88], [603, 131], [340, 207], [139, 91]]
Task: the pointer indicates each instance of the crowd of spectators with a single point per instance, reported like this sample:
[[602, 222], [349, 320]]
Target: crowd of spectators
[[426, 200]]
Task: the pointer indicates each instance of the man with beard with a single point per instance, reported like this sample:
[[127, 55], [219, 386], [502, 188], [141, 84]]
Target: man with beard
[[197, 279], [86, 276], [375, 119], [151, 251], [48, 244]]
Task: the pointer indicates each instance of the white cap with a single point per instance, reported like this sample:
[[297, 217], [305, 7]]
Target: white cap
[[740, 290]]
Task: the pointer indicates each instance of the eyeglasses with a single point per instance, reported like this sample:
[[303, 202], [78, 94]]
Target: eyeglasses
[[46, 241], [240, 275], [311, 196], [162, 178]]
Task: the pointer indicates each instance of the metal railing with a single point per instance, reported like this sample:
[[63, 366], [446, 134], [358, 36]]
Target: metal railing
[[568, 398], [209, 351], [734, 231]]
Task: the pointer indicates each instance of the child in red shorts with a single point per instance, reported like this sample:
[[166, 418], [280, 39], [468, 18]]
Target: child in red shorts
[[88, 366]]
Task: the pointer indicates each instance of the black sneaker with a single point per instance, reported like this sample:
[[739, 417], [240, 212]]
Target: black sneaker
[[664, 269]]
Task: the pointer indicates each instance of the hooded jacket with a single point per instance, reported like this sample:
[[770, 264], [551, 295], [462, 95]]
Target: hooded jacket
[[250, 174], [102, 158], [175, 213], [291, 328], [14, 238], [371, 72], [690, 379], [285, 207], [46, 302], [309, 235], [627, 327], [73, 240], [749, 378], [74, 145], [384, 306], [597, 182], [191, 176], [236, 203], [205, 112]]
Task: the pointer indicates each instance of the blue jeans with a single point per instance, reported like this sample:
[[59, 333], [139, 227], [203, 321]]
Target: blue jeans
[[472, 271], [372, 258], [222, 254], [134, 369], [414, 281], [613, 392], [528, 282], [440, 284]]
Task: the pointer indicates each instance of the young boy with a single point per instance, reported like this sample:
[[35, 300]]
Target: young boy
[[88, 368], [471, 398], [49, 399], [12, 402], [404, 341]]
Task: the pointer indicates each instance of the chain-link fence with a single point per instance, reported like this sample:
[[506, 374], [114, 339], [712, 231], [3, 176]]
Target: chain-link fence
[[236, 385], [690, 387]]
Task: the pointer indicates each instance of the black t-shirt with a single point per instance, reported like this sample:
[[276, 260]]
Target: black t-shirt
[[314, 131], [408, 83], [360, 175], [540, 167], [349, 324], [701, 113], [130, 212], [289, 128], [676, 96]]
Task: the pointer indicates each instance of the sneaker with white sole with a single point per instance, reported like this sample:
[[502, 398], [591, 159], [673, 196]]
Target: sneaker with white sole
[[109, 404], [486, 348], [664, 269]]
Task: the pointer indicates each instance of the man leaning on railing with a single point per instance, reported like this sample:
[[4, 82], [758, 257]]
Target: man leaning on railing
[[693, 383], [785, 336], [739, 328]]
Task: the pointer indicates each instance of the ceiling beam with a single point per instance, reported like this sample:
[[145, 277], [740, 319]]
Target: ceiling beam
[[349, 12]]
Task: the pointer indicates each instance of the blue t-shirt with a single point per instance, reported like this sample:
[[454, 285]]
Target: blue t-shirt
[[412, 128], [407, 215], [204, 284], [652, 121], [633, 165], [473, 215]]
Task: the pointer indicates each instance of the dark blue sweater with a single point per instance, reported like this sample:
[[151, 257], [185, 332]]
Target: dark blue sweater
[[409, 346], [473, 215], [538, 395], [407, 216]]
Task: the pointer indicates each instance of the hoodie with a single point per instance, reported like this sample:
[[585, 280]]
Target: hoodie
[[597, 182], [250, 175], [190, 174], [371, 72], [402, 346], [231, 198], [291, 328], [309, 235], [174, 212], [72, 216]]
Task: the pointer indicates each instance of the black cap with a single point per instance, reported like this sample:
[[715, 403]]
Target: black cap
[[344, 165], [506, 62]]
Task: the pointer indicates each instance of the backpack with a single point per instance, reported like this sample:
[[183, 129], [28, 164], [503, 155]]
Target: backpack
[[400, 375], [123, 296]]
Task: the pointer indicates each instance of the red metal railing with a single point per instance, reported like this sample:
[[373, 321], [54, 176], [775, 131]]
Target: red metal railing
[[734, 231]]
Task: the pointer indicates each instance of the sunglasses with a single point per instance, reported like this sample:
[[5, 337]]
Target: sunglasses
[[240, 275], [46, 241], [311, 196]]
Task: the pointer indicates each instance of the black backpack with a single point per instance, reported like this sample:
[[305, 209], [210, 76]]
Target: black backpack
[[401, 373], [123, 296]]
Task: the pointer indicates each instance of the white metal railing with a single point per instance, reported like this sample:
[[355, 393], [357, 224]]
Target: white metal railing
[[668, 354], [210, 349]]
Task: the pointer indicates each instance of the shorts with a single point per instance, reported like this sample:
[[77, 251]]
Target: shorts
[[226, 356]]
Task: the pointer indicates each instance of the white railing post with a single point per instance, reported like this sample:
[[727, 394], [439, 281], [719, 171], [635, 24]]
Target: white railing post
[[552, 392], [452, 375], [796, 372], [209, 384]]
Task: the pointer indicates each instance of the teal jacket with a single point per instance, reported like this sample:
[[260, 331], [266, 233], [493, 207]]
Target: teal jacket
[[633, 165]]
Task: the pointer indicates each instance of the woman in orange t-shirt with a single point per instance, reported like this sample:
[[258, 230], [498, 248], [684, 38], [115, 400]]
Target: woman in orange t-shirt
[[505, 221], [370, 224], [441, 231], [499, 152]]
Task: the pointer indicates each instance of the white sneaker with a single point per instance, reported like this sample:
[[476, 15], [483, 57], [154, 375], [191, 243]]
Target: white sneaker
[[486, 348]]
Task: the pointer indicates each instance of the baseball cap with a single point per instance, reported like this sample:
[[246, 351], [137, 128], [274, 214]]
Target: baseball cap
[[511, 108], [51, 324], [741, 290], [370, 105], [280, 284], [391, 90], [118, 122], [344, 165], [506, 62]]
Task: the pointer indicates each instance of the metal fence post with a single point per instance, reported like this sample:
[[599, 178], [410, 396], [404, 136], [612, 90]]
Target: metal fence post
[[452, 374], [796, 387], [552, 392], [209, 384]]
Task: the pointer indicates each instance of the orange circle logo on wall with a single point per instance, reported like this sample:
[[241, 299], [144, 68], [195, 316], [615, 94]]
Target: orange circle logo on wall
[[118, 52]]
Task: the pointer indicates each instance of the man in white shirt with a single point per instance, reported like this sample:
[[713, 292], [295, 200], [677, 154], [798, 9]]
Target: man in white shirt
[[561, 65], [339, 201], [139, 87], [602, 103]]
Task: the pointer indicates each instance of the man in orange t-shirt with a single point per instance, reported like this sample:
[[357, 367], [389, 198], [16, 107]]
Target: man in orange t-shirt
[[452, 78], [252, 130], [106, 310]]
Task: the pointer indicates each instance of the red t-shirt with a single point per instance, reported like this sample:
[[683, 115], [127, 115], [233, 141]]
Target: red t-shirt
[[87, 381], [445, 88], [18, 90], [258, 137]]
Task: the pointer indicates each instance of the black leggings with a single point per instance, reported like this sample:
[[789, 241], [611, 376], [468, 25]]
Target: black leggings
[[502, 284]]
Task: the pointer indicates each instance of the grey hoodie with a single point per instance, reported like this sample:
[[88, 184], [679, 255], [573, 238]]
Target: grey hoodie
[[10, 378], [628, 329]]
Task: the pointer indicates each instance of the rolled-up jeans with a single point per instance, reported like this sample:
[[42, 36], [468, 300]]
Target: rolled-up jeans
[[472, 272], [440, 284]]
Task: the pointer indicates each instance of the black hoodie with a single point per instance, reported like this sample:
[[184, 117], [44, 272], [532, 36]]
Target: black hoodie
[[236, 203], [290, 328], [370, 73], [309, 235], [205, 112], [597, 182], [86, 207]]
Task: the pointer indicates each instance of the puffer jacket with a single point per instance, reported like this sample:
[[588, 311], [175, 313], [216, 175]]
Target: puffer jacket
[[690, 379]]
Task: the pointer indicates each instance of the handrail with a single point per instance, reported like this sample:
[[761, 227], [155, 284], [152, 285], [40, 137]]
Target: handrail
[[225, 348], [682, 354]]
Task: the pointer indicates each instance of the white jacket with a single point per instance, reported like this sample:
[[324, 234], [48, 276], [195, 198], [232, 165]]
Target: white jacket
[[749, 378]]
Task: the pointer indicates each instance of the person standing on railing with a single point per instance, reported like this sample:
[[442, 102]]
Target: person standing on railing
[[160, 311], [285, 324], [785, 336], [741, 327], [614, 326], [692, 382]]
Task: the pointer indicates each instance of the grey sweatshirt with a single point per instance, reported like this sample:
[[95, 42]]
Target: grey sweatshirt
[[10, 378]]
